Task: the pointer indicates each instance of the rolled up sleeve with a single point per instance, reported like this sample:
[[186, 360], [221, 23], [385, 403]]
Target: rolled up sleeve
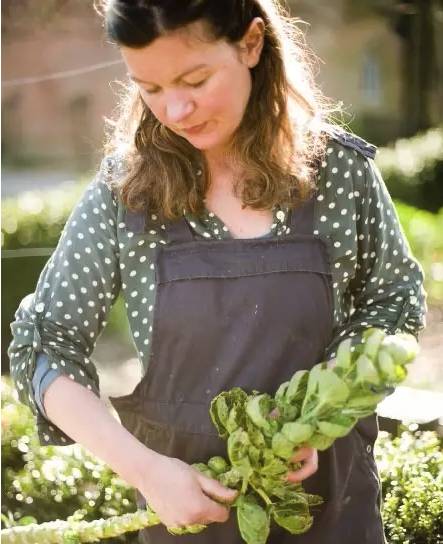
[[387, 288], [65, 315]]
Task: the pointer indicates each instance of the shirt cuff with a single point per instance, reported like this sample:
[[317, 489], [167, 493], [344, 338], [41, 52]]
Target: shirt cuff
[[43, 377]]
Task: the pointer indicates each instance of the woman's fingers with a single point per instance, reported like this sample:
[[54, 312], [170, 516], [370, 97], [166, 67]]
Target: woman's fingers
[[216, 493], [309, 458], [216, 490], [303, 453]]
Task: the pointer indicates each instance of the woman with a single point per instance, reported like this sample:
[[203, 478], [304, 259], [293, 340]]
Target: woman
[[248, 238]]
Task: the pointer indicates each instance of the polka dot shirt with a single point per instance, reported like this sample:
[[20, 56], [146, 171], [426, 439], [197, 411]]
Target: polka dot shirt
[[376, 280]]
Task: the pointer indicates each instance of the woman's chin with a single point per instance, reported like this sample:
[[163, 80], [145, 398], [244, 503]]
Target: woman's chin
[[207, 143]]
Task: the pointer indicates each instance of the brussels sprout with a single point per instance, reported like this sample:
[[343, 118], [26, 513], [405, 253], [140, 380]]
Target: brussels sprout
[[373, 339], [297, 432], [344, 354], [366, 371]]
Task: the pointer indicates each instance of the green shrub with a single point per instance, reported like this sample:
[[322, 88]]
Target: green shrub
[[32, 220], [424, 233], [44, 483], [411, 471], [413, 169], [35, 220]]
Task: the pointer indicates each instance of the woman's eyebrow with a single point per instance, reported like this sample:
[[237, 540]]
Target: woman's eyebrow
[[183, 74]]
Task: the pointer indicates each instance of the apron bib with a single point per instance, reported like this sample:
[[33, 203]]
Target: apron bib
[[246, 313]]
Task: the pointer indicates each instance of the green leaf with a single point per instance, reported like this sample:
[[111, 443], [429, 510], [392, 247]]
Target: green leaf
[[254, 456], [297, 432], [387, 365], [363, 399], [258, 408], [281, 446], [325, 390], [320, 441], [280, 393], [234, 419], [314, 500], [238, 446], [332, 390], [337, 426], [402, 347], [309, 406], [344, 354], [373, 339], [287, 411], [272, 465], [221, 406], [297, 386], [293, 515], [253, 520], [219, 413], [313, 377], [238, 443], [276, 487], [366, 371], [255, 435]]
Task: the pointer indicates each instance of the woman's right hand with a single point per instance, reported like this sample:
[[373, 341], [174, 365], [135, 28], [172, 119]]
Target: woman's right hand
[[180, 495]]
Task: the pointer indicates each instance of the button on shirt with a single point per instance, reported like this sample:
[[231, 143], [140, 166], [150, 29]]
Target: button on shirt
[[376, 280]]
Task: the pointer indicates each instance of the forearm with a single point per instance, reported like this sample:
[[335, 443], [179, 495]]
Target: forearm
[[86, 419]]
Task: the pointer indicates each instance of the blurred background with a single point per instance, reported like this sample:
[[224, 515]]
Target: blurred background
[[382, 58]]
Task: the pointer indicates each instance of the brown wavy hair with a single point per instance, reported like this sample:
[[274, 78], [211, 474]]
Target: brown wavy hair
[[279, 142]]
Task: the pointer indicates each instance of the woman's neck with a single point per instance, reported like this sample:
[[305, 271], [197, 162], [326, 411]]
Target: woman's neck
[[222, 169]]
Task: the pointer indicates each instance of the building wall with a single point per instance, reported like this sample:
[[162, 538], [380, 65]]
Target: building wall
[[60, 119]]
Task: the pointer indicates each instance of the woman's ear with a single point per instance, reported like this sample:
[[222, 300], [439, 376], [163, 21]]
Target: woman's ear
[[251, 45]]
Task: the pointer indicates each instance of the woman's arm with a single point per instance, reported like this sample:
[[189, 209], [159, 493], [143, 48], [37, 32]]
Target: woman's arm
[[178, 493], [68, 310], [86, 419], [386, 285]]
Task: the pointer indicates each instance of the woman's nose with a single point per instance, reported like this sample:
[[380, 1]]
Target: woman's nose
[[178, 108]]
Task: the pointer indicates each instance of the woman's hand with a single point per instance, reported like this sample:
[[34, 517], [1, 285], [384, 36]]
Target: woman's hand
[[180, 495], [309, 458]]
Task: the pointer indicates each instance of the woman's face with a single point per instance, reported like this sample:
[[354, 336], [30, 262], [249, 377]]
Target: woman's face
[[197, 88]]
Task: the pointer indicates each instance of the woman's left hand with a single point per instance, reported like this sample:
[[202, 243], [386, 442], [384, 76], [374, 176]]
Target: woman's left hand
[[309, 458]]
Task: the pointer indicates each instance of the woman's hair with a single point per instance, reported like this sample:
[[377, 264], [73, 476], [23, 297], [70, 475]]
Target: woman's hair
[[279, 142]]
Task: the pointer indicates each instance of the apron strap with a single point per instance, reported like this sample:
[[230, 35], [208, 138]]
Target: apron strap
[[135, 221], [179, 231], [301, 220]]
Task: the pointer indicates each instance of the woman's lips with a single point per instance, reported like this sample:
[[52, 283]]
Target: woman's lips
[[195, 129]]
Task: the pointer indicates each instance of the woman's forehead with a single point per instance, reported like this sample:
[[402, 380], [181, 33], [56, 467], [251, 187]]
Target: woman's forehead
[[173, 55]]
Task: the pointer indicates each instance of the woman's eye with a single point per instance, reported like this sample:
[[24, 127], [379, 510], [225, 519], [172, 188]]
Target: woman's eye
[[150, 91], [197, 83]]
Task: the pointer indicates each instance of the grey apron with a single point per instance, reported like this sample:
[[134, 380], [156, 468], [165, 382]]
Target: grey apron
[[246, 313]]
